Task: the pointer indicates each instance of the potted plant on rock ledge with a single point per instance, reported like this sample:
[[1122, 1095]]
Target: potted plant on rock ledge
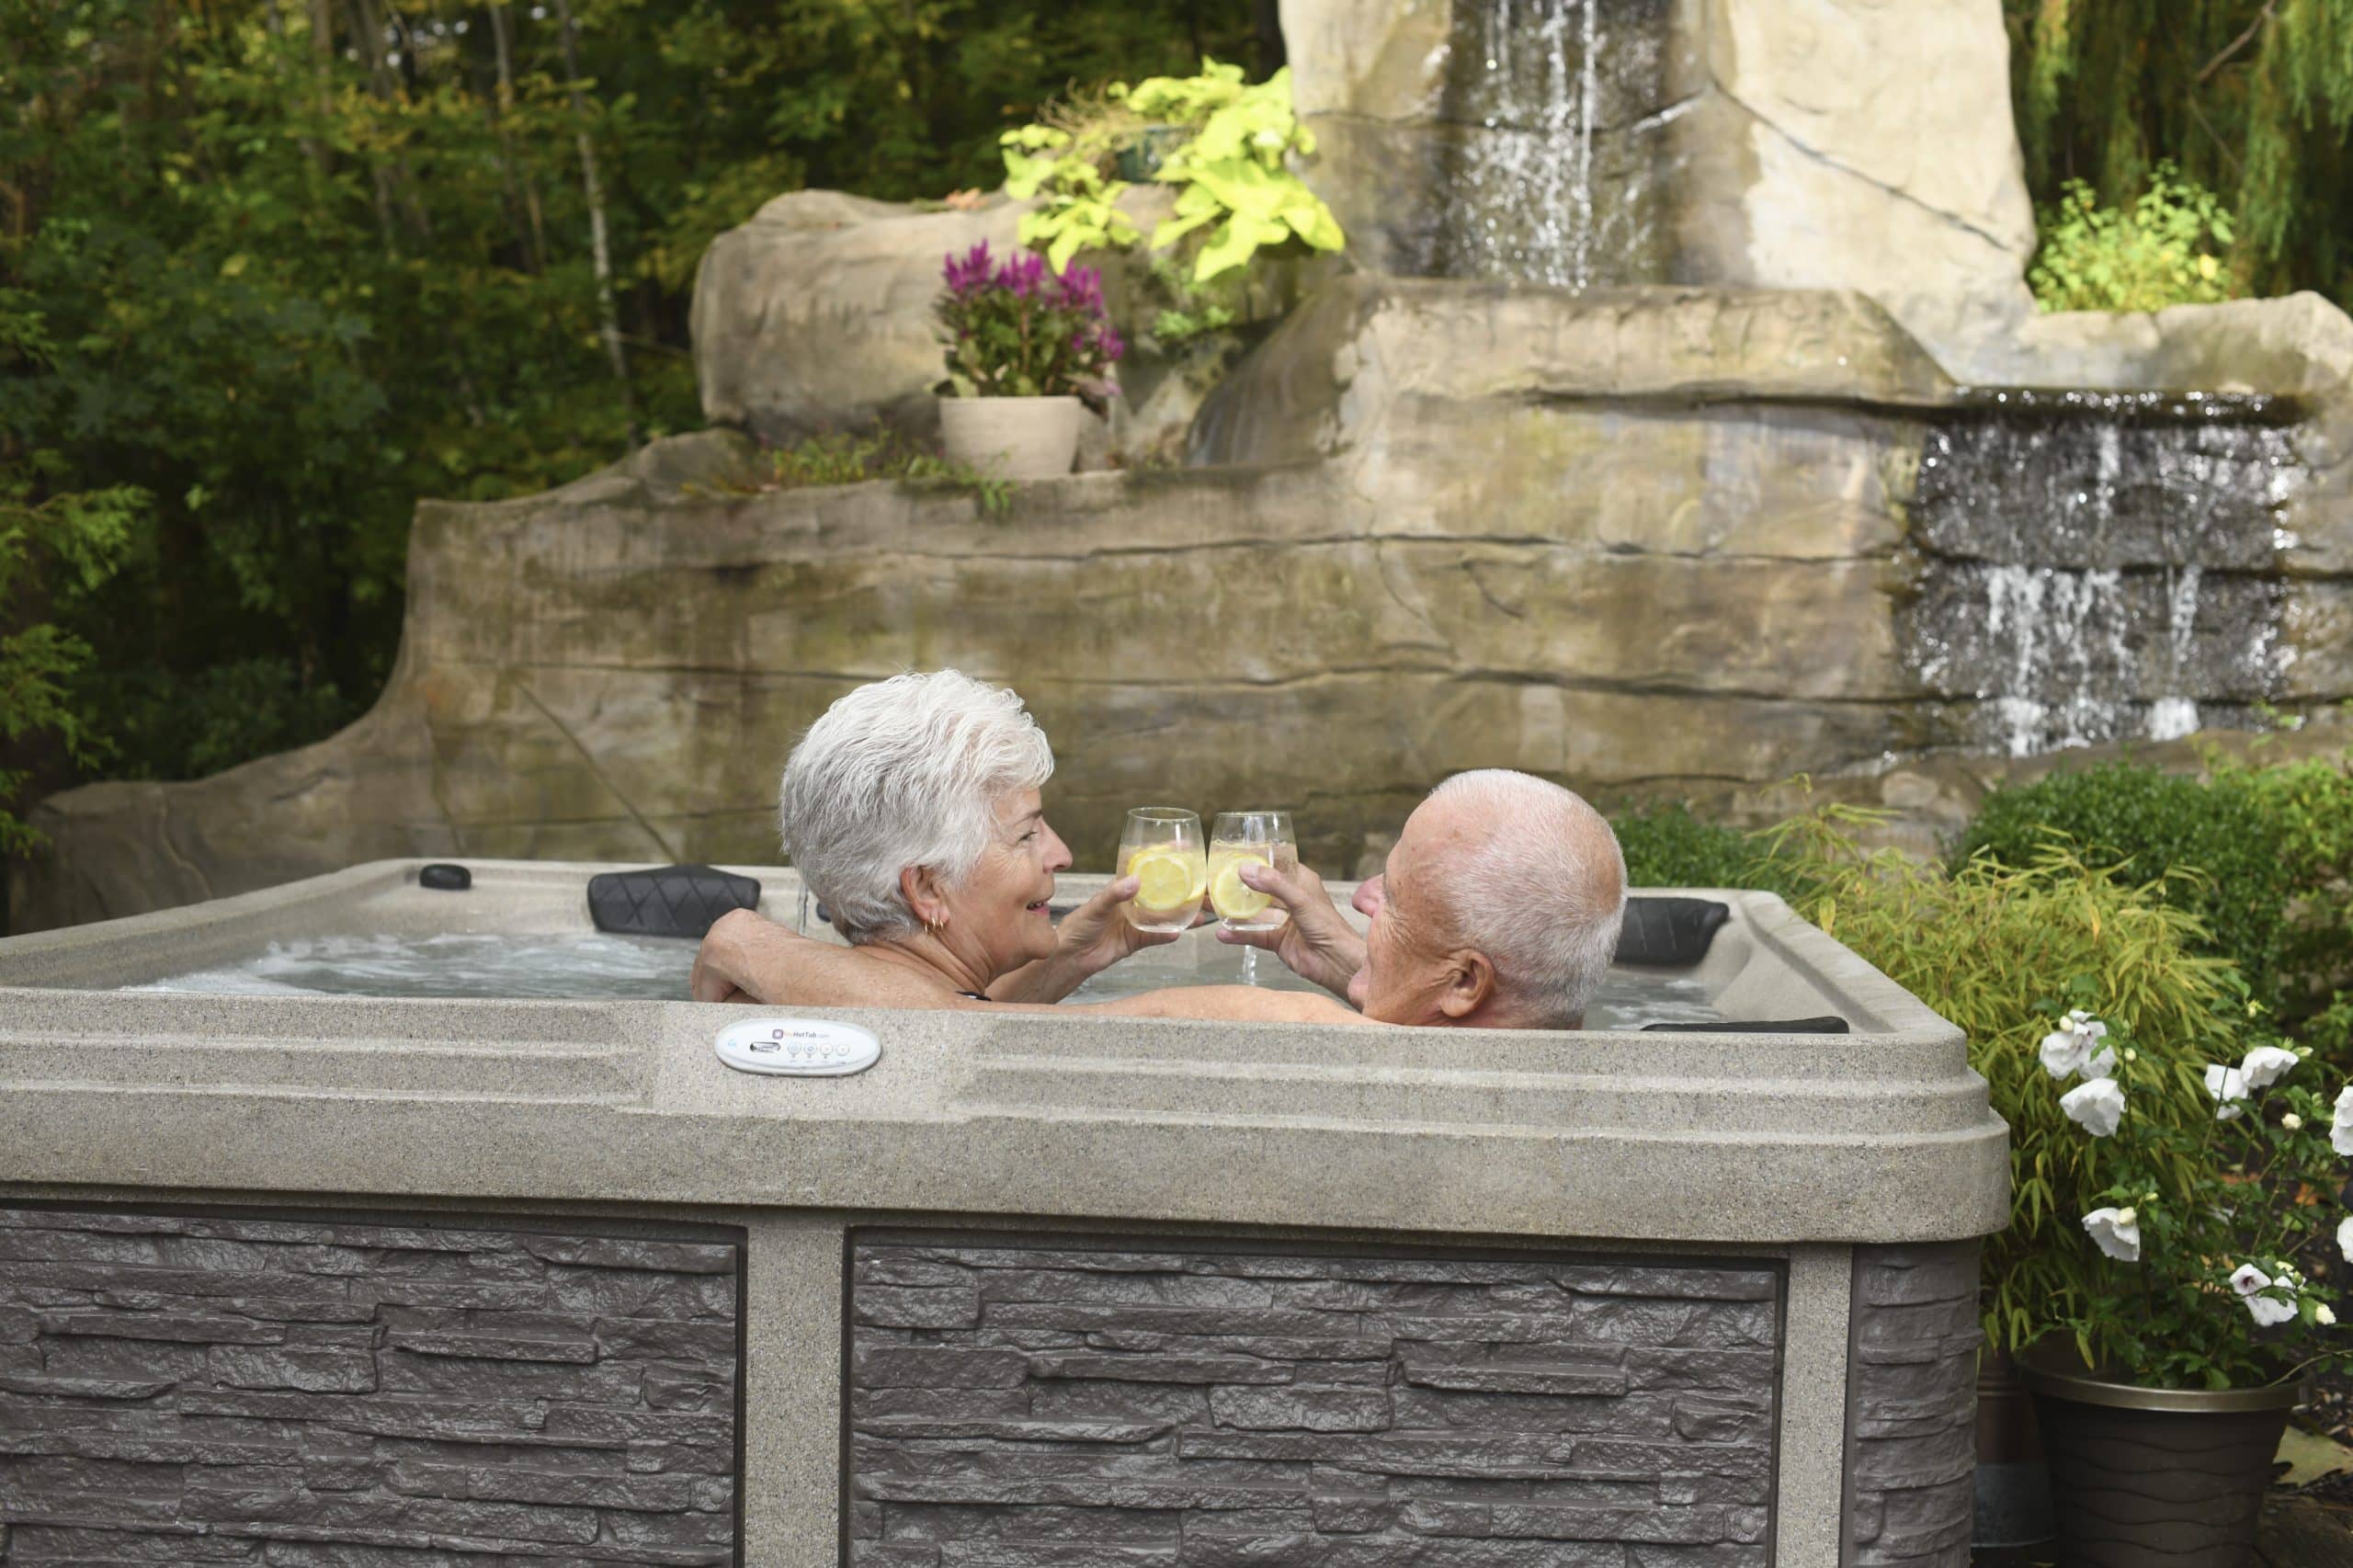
[[1030, 354], [2162, 1394]]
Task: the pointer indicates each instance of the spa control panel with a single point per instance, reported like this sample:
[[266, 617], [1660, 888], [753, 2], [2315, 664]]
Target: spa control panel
[[798, 1048]]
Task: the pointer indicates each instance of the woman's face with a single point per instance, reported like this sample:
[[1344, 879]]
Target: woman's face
[[1001, 909]]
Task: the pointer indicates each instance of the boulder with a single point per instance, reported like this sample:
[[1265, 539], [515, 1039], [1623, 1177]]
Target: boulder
[[1803, 144], [818, 316]]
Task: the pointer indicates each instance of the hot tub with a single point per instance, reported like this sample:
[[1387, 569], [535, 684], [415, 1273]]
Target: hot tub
[[440, 1274]]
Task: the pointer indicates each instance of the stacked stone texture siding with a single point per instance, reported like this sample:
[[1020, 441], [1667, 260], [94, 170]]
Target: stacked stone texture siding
[[1912, 1406], [330, 1396], [1033, 1408]]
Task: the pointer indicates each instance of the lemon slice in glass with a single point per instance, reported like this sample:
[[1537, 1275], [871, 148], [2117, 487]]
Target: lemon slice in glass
[[1164, 882], [1233, 898]]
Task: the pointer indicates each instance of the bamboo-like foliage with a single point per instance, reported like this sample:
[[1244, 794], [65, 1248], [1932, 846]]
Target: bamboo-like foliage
[[2252, 99], [1994, 948]]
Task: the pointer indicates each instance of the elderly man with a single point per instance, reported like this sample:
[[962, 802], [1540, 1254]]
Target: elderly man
[[1499, 908]]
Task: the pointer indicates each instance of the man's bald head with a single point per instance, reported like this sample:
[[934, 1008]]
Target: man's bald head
[[1502, 872]]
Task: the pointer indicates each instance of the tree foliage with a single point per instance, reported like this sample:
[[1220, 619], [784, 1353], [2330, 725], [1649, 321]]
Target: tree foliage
[[298, 263], [2250, 99]]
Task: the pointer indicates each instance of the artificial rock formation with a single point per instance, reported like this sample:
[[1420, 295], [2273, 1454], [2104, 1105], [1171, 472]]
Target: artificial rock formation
[[1652, 542], [1660, 536], [1772, 144]]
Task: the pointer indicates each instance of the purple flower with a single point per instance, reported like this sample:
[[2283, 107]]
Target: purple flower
[[1022, 274], [970, 273], [1082, 288], [1107, 339]]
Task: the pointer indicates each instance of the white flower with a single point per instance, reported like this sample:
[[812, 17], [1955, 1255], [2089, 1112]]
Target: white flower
[[2340, 1137], [2269, 1312], [2250, 1282], [2115, 1231], [2097, 1105], [2264, 1065], [2323, 1317], [2103, 1065], [2345, 1237], [2292, 1122], [2229, 1088], [2067, 1050]]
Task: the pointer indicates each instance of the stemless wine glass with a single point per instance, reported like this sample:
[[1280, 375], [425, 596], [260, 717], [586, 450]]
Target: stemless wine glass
[[1161, 846], [1240, 837]]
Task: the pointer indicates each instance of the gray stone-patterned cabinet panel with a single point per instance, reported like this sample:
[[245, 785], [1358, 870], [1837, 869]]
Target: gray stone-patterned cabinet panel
[[1032, 1406], [323, 1394], [1912, 1405]]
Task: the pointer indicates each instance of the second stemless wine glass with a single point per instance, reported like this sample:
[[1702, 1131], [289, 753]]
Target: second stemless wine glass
[[1161, 846], [1238, 838]]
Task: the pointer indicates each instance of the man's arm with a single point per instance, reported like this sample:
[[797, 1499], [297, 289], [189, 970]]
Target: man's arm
[[1235, 1004], [1316, 943], [747, 958]]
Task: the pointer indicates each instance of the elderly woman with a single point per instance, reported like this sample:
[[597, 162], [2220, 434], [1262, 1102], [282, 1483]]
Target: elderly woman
[[911, 809]]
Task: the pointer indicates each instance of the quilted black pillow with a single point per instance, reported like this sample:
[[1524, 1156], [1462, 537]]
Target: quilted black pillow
[[668, 900]]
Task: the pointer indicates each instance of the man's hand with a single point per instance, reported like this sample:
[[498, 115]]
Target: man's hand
[[724, 963], [1090, 939], [1316, 943]]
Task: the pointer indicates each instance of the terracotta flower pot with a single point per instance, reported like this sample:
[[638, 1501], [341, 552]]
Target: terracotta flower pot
[[2143, 1475], [1012, 438]]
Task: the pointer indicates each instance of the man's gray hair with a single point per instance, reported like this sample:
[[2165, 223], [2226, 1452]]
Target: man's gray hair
[[904, 772], [1542, 895]]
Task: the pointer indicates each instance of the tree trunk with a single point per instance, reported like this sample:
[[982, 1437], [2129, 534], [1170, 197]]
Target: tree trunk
[[323, 72], [521, 189], [600, 249]]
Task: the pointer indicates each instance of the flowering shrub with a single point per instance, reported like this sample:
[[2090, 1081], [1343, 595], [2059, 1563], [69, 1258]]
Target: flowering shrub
[[2198, 1285], [1016, 330]]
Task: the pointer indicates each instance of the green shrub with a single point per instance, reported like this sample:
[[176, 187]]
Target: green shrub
[[2218, 846], [1992, 947], [1669, 847], [2166, 249], [2308, 806]]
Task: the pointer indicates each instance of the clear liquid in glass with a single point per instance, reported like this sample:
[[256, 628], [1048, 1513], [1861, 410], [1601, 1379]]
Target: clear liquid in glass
[[1161, 846], [1242, 836]]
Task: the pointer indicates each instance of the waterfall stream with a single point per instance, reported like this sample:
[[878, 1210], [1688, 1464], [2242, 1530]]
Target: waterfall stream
[[2098, 566], [1551, 175]]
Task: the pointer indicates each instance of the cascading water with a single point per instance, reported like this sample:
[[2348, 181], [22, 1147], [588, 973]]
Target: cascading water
[[2097, 566], [1551, 176]]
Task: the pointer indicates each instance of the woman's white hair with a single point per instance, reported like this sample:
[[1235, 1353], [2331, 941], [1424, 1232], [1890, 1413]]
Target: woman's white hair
[[1542, 895], [905, 772]]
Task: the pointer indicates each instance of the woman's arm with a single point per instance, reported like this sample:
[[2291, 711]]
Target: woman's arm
[[747, 958]]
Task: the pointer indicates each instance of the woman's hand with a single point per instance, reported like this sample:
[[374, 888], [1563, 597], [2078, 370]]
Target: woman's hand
[[1316, 943], [1090, 939]]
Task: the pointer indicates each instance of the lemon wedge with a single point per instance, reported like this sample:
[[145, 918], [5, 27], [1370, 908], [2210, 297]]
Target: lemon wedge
[[1233, 898], [1164, 882]]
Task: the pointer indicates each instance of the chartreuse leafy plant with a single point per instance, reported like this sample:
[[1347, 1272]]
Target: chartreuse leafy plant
[[1233, 182], [2196, 1283], [1983, 945], [2169, 247], [1080, 208], [1233, 176]]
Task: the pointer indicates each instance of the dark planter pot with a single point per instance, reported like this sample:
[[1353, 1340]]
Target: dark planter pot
[[2012, 1506], [2145, 1476], [1141, 159]]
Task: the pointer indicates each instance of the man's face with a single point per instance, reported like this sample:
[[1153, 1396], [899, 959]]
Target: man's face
[[1409, 950]]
